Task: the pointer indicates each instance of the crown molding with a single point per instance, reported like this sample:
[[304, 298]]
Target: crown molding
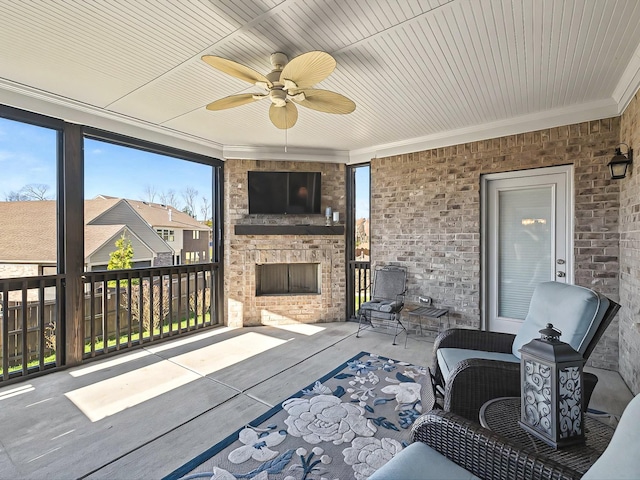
[[33, 100], [526, 123], [629, 83]]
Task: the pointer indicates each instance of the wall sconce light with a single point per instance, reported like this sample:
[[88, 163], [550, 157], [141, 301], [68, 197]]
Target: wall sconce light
[[619, 163]]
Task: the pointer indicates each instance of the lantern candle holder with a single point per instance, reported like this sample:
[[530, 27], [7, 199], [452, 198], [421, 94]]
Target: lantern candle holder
[[552, 398]]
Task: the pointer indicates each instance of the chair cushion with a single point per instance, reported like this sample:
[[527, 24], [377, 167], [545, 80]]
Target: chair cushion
[[381, 305], [621, 460], [448, 358], [420, 462], [575, 311]]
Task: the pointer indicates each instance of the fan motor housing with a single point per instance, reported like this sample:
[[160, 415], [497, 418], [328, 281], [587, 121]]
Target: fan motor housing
[[278, 60], [278, 97]]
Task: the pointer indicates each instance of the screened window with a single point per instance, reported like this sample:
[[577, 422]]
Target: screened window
[[151, 194], [28, 191]]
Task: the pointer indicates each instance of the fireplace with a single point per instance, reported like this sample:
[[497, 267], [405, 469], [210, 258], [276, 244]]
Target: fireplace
[[287, 279]]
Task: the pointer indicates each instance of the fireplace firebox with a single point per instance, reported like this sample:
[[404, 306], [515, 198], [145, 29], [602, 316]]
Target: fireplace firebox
[[287, 279]]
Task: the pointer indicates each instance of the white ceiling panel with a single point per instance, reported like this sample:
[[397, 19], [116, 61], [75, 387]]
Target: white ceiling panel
[[434, 71]]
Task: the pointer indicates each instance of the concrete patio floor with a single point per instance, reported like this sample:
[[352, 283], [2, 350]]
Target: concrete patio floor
[[142, 414]]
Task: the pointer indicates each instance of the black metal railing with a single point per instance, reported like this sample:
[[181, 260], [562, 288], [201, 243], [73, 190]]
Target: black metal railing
[[360, 280], [122, 308], [30, 309], [125, 308]]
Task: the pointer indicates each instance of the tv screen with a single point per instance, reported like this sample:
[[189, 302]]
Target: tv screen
[[284, 192]]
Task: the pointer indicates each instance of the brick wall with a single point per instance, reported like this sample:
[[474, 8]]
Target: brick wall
[[425, 214], [630, 253], [242, 252], [12, 270]]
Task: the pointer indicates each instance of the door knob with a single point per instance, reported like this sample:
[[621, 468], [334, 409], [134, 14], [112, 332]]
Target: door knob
[[561, 274]]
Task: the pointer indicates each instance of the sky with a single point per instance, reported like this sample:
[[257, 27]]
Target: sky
[[362, 191], [28, 156]]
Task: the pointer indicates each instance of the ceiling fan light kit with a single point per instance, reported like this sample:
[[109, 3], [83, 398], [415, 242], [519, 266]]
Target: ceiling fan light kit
[[288, 83]]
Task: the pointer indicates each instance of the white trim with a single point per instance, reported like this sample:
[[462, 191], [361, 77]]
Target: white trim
[[45, 103], [511, 126], [629, 83]]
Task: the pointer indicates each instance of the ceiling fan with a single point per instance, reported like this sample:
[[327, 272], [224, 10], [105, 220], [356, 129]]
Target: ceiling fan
[[288, 83]]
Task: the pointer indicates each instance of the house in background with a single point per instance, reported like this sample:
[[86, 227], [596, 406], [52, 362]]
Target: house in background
[[188, 237], [159, 234], [29, 245]]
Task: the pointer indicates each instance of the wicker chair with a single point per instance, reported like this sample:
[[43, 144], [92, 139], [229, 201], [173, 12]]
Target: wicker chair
[[473, 380], [445, 445], [483, 453]]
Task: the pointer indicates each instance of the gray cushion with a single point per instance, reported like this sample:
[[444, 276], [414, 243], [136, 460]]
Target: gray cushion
[[621, 460], [380, 305], [420, 462], [575, 311], [448, 358]]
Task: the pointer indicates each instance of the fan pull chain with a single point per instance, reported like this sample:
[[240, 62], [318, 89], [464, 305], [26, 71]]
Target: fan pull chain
[[286, 129]]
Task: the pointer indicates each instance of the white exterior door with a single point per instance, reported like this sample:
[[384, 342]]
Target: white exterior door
[[527, 228]]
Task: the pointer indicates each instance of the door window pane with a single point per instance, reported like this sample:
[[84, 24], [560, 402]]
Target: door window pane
[[525, 235]]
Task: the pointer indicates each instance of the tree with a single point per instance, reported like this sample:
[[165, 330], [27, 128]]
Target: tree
[[152, 315], [205, 209], [168, 197], [14, 196], [150, 192], [120, 259], [200, 303], [189, 195], [36, 191], [31, 191]]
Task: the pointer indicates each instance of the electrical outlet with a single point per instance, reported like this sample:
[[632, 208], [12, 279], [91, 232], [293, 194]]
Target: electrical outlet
[[425, 300]]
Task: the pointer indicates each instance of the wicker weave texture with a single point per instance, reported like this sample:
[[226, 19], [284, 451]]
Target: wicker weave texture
[[484, 453]]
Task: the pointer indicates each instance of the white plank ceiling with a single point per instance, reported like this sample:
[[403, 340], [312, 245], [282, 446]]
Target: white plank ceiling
[[423, 73]]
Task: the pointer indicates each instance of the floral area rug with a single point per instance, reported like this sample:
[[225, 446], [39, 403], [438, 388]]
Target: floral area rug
[[345, 425]]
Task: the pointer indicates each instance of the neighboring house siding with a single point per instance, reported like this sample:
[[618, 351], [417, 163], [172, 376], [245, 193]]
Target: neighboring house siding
[[176, 244], [199, 245], [124, 214], [141, 252]]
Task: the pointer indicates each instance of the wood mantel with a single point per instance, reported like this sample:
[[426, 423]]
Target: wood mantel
[[288, 230]]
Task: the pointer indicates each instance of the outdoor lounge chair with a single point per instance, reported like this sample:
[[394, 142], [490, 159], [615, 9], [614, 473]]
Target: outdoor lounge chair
[[387, 300], [447, 446], [473, 366]]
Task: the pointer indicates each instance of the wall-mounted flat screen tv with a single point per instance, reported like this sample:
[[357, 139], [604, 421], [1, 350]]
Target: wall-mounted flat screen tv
[[284, 192]]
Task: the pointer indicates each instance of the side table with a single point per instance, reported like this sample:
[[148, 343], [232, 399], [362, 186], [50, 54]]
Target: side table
[[429, 312], [501, 415]]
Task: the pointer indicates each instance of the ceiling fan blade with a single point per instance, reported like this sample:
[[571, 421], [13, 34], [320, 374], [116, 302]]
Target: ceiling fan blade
[[308, 69], [325, 101], [283, 117], [236, 69], [234, 101]]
